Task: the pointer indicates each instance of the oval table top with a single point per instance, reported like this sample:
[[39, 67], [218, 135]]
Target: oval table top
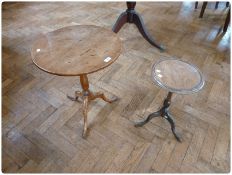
[[76, 50], [177, 76]]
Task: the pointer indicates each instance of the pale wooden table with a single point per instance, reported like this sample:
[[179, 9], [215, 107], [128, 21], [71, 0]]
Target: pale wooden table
[[77, 51]]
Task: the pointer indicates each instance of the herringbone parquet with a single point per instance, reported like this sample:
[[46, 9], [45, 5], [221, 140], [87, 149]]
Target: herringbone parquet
[[41, 128]]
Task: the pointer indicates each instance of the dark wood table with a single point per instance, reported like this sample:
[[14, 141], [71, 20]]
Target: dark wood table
[[175, 76]]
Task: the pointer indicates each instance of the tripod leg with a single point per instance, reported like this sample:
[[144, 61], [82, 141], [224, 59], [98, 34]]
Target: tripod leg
[[227, 21], [196, 4], [103, 97], [170, 120], [78, 94], [122, 19], [150, 116], [216, 5], [140, 24], [85, 111], [203, 9]]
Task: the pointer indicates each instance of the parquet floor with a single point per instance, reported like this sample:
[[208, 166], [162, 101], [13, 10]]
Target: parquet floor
[[41, 128]]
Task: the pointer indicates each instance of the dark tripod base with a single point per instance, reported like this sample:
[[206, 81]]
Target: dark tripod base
[[163, 112], [131, 16]]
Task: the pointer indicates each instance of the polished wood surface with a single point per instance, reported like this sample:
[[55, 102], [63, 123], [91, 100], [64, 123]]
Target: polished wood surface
[[41, 128], [76, 50]]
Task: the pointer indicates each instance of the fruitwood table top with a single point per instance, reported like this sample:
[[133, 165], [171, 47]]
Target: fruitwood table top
[[76, 50]]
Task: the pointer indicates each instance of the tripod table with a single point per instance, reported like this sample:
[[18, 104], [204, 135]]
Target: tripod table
[[77, 51], [175, 76]]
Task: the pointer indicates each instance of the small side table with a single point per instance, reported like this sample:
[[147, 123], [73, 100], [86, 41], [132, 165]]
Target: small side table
[[175, 76], [77, 51]]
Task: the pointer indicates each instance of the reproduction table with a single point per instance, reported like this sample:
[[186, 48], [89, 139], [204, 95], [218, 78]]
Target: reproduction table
[[175, 76], [77, 51]]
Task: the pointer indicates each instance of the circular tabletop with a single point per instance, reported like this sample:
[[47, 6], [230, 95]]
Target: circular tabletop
[[76, 50], [177, 76]]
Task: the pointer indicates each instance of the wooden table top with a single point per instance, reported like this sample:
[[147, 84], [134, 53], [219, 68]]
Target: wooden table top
[[177, 76], [76, 50]]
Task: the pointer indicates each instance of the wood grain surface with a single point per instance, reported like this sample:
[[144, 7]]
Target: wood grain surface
[[76, 50]]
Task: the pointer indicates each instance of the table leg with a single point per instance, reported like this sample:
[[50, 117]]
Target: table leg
[[168, 117], [163, 112], [216, 5], [203, 9], [150, 116], [131, 16], [227, 21], [196, 4], [138, 21], [85, 111], [87, 96], [77, 95], [122, 19], [103, 97]]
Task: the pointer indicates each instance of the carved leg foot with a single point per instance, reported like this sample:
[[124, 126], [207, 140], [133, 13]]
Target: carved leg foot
[[152, 115], [122, 19], [76, 96], [103, 97], [85, 111], [170, 120], [140, 24]]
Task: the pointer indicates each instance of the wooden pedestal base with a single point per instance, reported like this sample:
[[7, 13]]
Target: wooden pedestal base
[[131, 16], [86, 95]]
